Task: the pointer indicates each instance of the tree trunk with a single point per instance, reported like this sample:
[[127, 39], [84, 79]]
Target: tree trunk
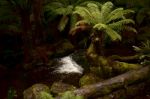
[[108, 86], [26, 35], [38, 31]]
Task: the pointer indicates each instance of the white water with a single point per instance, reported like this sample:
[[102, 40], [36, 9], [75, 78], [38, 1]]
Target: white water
[[69, 66]]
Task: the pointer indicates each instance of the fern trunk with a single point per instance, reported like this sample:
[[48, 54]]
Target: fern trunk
[[97, 45]]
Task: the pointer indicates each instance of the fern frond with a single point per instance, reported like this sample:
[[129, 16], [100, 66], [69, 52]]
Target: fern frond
[[52, 6], [64, 11], [82, 22], [130, 29], [84, 13], [73, 20], [119, 25], [110, 32], [63, 22], [113, 13], [95, 12], [105, 10], [119, 15], [87, 2]]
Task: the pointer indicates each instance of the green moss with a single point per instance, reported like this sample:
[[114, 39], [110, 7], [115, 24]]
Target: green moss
[[59, 87], [88, 79], [103, 61], [123, 67]]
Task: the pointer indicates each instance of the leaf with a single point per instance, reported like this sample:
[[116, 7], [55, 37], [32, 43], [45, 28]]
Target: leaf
[[119, 15], [120, 25], [137, 49], [141, 15], [110, 32], [105, 10], [130, 29], [63, 22], [73, 20]]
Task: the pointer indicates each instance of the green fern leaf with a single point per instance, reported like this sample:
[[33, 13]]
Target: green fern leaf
[[119, 25], [63, 23], [110, 32], [84, 13], [105, 10], [95, 12], [73, 20], [119, 15], [130, 29]]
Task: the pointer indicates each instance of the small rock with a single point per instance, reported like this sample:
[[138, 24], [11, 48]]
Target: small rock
[[89, 79], [59, 87], [34, 91]]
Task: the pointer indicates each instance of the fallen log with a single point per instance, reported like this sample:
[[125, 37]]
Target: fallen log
[[115, 83], [135, 90], [125, 58]]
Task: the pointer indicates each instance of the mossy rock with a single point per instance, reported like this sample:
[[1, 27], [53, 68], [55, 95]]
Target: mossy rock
[[34, 91], [96, 70], [64, 47], [88, 79], [60, 87], [121, 67]]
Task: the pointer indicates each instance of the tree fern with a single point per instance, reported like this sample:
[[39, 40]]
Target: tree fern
[[105, 20], [64, 8]]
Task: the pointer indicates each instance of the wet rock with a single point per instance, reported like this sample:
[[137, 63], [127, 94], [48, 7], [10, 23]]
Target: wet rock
[[64, 47], [88, 79], [59, 87], [34, 91]]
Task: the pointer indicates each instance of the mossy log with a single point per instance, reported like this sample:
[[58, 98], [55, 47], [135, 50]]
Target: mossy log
[[108, 68], [135, 90], [107, 86], [125, 58]]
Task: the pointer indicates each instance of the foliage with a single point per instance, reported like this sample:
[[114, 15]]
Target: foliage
[[103, 19], [11, 93], [65, 9], [66, 95], [144, 52], [9, 21], [142, 15]]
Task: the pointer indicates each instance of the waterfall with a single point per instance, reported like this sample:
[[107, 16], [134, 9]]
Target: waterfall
[[68, 65]]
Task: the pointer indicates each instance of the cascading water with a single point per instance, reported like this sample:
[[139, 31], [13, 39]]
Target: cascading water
[[68, 65]]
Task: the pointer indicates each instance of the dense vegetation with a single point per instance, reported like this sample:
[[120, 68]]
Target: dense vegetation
[[34, 32]]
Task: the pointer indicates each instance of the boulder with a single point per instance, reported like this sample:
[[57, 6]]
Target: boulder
[[60, 87], [34, 91]]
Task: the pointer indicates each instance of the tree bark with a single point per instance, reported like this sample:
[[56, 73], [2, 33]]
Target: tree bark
[[26, 34], [108, 86], [37, 13]]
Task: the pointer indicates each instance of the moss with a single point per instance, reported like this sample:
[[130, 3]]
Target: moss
[[96, 71], [123, 67], [88, 79], [103, 61], [59, 87]]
